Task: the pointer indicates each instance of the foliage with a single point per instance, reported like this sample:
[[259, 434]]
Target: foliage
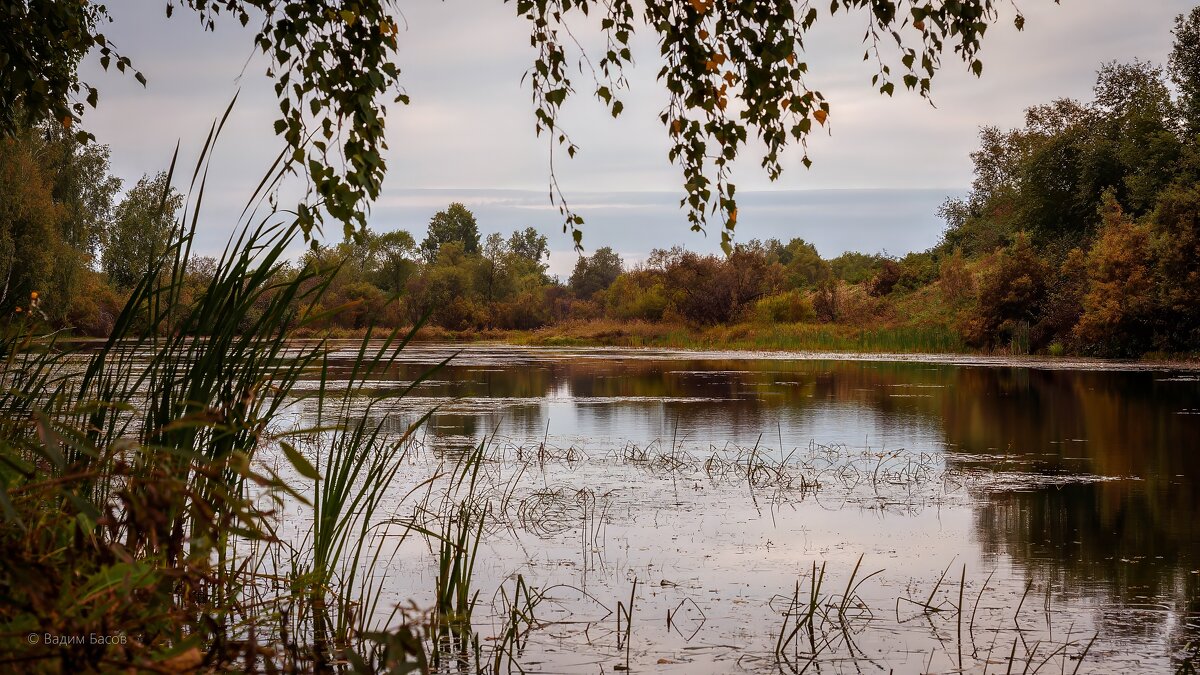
[[803, 266], [715, 53], [828, 300], [140, 231], [855, 267], [955, 280], [330, 68], [638, 295], [1011, 293], [886, 278], [455, 224], [28, 224], [1119, 303], [788, 307], [1185, 68], [596, 272], [1175, 250]]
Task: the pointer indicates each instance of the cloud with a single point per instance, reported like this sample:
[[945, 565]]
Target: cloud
[[470, 126]]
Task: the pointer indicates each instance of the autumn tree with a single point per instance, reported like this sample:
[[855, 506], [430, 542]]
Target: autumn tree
[[1119, 303], [28, 225], [1011, 294]]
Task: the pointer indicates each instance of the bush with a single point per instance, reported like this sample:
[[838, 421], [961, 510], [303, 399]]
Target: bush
[[789, 307], [1011, 296], [1119, 304], [827, 300], [95, 308], [527, 310], [885, 279], [636, 296], [459, 314], [955, 279]]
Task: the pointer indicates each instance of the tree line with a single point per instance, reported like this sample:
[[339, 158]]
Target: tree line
[[1080, 234]]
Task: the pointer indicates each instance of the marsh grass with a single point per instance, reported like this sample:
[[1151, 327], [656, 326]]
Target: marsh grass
[[749, 336], [138, 506]]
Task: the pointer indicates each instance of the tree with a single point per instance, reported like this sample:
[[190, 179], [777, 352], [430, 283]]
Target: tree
[[1011, 295], [855, 267], [530, 245], [803, 264], [1184, 66], [59, 201], [141, 230], [391, 259], [595, 273], [332, 66], [455, 224], [1176, 253], [28, 225], [85, 190], [1118, 305]]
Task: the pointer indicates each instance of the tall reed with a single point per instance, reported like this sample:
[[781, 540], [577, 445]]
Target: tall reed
[[140, 513]]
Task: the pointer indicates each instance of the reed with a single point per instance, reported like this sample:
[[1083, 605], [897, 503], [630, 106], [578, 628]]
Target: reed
[[137, 497]]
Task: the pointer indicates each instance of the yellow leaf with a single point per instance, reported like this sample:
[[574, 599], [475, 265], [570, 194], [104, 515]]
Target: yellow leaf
[[820, 116]]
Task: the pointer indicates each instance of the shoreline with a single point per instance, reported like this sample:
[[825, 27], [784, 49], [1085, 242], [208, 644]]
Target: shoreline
[[798, 340], [777, 341]]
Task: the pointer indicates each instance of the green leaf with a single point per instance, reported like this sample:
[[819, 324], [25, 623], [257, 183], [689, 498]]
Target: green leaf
[[299, 461]]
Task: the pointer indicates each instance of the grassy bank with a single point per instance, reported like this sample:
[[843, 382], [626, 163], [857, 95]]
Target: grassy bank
[[752, 337], [737, 337]]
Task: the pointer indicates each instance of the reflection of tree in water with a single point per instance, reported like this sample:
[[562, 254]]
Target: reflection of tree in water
[[1119, 423], [1130, 545], [1129, 548]]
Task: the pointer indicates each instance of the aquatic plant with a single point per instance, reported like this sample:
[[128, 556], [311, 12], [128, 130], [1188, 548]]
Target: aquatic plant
[[141, 515]]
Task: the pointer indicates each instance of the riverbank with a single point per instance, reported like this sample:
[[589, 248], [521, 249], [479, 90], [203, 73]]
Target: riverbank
[[750, 337]]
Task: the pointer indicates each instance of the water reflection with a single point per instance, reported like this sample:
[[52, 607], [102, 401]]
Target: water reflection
[[1128, 545]]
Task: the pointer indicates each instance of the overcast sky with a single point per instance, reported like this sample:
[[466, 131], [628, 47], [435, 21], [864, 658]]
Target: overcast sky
[[875, 184]]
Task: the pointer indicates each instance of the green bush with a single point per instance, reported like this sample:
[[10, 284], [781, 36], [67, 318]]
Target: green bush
[[790, 307]]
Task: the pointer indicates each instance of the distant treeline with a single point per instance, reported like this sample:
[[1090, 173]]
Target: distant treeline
[[1081, 234]]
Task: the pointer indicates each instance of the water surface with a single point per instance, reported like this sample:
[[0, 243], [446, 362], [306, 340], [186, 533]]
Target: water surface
[[718, 480]]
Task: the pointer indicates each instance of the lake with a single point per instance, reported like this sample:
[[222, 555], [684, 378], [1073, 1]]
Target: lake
[[835, 513]]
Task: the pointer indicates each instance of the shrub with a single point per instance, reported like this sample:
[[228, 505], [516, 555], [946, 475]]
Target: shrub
[[788, 307], [827, 300], [636, 296], [885, 279], [955, 279], [1011, 296], [1119, 303]]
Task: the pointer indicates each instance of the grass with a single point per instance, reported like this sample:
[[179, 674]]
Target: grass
[[138, 500], [747, 336]]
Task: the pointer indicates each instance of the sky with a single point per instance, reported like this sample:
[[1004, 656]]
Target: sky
[[879, 172]]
